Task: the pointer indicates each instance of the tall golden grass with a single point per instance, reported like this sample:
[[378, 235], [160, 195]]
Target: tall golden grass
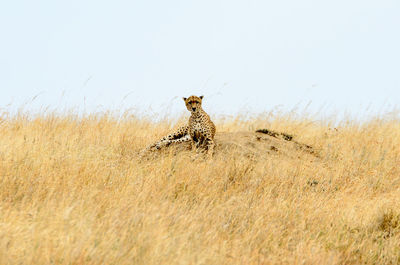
[[74, 191]]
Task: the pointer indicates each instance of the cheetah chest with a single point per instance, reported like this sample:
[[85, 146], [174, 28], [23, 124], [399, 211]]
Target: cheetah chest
[[197, 130]]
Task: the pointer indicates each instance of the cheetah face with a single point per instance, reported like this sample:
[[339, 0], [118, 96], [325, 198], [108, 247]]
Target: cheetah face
[[193, 103]]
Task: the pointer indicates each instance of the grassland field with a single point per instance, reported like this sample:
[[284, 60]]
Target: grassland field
[[74, 190]]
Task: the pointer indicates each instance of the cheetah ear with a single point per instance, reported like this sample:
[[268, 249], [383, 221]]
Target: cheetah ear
[[184, 99], [201, 97]]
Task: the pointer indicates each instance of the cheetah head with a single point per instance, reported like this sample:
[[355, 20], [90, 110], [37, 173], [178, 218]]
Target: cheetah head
[[193, 103]]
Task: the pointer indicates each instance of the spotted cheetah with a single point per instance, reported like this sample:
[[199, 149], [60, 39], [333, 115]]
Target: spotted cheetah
[[200, 129]]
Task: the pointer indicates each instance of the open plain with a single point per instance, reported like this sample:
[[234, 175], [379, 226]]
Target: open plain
[[74, 190]]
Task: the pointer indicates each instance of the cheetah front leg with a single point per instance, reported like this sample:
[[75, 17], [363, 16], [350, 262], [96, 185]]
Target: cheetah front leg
[[194, 146], [210, 148]]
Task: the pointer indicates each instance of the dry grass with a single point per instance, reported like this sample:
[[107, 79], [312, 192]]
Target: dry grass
[[73, 191]]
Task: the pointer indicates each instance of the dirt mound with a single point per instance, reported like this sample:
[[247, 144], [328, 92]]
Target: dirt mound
[[253, 144], [260, 143]]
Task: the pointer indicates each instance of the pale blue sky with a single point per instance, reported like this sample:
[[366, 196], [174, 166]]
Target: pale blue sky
[[241, 55]]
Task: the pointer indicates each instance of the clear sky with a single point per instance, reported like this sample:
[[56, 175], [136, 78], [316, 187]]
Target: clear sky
[[241, 55]]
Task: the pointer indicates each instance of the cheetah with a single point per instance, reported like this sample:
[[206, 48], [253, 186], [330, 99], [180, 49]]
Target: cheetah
[[200, 129]]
